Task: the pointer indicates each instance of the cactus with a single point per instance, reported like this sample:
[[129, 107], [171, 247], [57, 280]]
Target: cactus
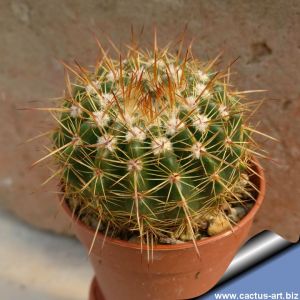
[[154, 143]]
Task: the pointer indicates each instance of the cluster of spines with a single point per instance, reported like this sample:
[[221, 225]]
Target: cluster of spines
[[152, 143]]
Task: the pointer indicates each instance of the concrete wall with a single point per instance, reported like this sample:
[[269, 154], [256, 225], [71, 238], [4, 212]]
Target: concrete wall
[[264, 34]]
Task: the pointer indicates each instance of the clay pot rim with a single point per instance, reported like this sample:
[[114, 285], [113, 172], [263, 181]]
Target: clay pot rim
[[185, 245]]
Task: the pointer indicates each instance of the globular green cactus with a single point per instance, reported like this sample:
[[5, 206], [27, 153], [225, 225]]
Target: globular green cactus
[[154, 143]]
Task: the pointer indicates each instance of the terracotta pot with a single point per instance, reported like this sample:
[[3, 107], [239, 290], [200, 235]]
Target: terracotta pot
[[176, 272]]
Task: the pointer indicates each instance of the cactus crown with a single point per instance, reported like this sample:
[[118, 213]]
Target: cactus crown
[[153, 143]]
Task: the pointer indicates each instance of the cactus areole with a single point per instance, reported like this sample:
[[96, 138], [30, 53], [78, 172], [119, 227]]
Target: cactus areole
[[153, 144]]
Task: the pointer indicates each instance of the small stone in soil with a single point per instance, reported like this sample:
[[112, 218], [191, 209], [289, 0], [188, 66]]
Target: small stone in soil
[[237, 213], [249, 205], [217, 225], [169, 241], [134, 239]]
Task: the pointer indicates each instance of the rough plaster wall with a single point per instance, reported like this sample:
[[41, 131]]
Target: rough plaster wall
[[34, 34]]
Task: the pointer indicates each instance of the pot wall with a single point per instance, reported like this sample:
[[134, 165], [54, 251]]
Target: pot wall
[[173, 274]]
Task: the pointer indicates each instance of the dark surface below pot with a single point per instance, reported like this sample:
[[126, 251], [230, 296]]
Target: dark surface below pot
[[175, 272], [95, 292]]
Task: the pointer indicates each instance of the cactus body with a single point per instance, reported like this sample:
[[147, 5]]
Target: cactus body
[[151, 143]]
